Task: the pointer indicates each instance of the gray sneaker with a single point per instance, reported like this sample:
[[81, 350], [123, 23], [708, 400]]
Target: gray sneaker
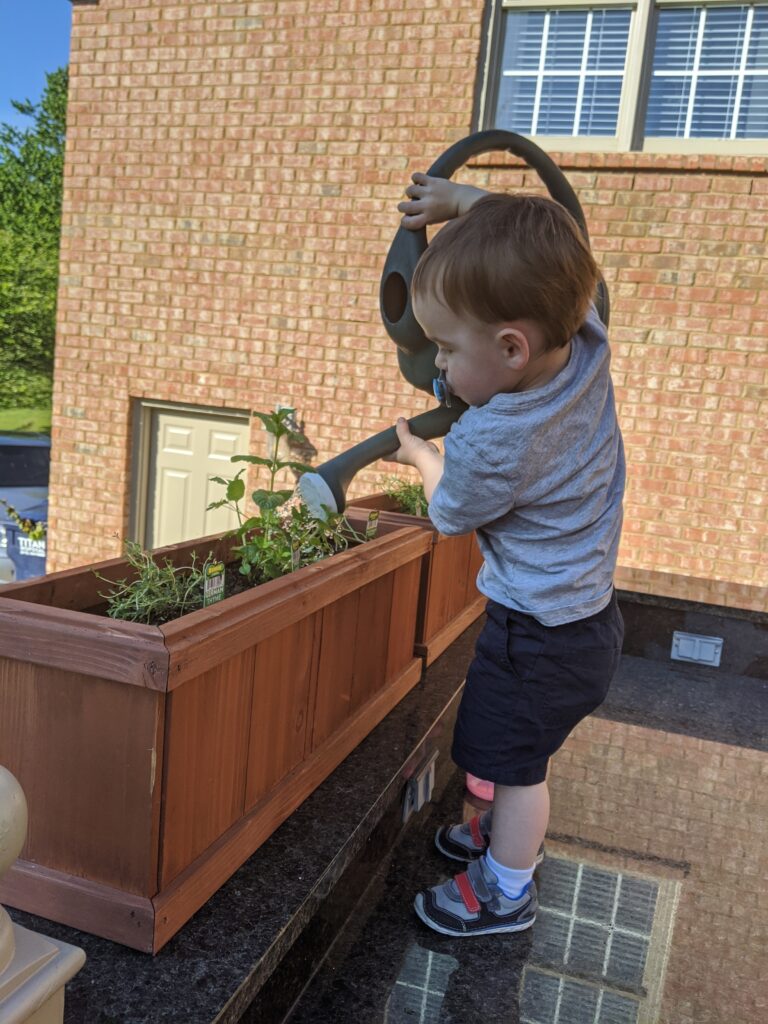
[[473, 904], [468, 842]]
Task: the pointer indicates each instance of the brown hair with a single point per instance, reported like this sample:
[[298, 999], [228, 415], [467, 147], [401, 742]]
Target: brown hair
[[513, 257]]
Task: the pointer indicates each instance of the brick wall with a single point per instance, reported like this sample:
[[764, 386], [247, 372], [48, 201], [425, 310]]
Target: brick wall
[[230, 190]]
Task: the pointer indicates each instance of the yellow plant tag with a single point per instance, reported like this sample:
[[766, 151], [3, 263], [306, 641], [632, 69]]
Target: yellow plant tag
[[213, 584], [372, 526]]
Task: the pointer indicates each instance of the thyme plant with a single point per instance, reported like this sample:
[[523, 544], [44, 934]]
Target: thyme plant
[[157, 593], [409, 496]]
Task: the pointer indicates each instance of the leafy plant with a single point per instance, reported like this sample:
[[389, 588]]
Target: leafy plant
[[409, 496], [157, 593], [31, 174], [284, 535], [34, 529]]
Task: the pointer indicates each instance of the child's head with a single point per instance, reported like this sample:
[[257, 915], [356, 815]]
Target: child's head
[[514, 273], [513, 257]]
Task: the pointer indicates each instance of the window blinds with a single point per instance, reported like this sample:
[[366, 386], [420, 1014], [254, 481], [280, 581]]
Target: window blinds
[[710, 73], [562, 71]]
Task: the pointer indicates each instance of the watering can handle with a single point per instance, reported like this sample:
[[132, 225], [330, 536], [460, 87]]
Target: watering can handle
[[495, 140]]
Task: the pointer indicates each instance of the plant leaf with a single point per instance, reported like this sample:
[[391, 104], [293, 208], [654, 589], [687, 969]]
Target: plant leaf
[[272, 423], [255, 460], [270, 499], [235, 489]]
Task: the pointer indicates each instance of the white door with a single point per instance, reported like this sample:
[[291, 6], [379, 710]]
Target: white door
[[186, 451]]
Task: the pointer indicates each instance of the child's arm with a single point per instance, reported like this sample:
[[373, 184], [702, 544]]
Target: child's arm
[[434, 200], [421, 454]]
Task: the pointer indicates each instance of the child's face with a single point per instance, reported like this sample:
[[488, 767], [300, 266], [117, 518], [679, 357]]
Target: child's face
[[477, 365]]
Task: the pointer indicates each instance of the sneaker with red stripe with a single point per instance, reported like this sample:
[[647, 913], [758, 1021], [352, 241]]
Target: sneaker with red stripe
[[469, 841], [473, 904]]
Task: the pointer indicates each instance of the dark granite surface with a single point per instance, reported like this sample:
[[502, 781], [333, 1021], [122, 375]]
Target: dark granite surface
[[388, 967], [211, 970], [653, 892]]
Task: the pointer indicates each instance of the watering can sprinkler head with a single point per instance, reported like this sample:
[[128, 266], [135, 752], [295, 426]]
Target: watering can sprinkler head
[[415, 352]]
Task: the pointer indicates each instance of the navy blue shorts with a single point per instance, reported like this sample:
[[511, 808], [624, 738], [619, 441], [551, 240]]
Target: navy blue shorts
[[528, 687]]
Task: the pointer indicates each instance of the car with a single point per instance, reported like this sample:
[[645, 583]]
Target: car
[[24, 467]]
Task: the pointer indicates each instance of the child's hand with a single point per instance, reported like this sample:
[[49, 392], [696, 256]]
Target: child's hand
[[412, 449], [434, 200]]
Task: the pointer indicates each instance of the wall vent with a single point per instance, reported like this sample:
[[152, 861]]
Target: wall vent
[[703, 650]]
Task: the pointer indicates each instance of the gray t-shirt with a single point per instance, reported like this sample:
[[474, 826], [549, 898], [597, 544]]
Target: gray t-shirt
[[540, 475]]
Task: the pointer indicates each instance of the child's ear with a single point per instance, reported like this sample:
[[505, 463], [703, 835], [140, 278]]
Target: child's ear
[[515, 347]]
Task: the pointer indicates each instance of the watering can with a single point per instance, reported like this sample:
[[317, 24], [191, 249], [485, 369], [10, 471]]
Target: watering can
[[327, 485]]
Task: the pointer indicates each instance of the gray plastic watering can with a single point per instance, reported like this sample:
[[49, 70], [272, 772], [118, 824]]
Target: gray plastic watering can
[[327, 486]]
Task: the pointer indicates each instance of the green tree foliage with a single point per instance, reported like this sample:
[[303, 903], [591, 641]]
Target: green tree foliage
[[31, 170]]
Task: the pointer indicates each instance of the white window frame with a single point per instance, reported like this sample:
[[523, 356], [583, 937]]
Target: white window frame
[[636, 77]]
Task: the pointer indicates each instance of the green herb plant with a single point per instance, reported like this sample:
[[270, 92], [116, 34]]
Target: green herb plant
[[35, 530], [284, 535], [157, 593], [409, 496]]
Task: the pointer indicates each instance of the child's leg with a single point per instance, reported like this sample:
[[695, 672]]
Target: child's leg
[[520, 818]]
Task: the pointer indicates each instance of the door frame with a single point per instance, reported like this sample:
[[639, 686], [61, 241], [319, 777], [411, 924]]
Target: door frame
[[142, 411]]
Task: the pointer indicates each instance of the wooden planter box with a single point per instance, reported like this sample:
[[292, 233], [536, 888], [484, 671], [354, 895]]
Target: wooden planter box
[[449, 600], [155, 760]]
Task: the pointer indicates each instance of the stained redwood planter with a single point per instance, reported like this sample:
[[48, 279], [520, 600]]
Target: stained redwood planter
[[449, 601], [155, 760]]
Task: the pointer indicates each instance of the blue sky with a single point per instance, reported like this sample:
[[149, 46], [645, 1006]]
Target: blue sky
[[34, 38]]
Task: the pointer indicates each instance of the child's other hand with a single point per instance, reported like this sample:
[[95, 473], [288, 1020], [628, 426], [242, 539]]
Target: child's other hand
[[411, 447], [434, 200]]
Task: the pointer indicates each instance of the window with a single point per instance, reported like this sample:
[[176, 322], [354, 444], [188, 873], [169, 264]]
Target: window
[[659, 75]]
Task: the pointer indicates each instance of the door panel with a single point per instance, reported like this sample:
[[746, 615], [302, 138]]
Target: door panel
[[186, 452]]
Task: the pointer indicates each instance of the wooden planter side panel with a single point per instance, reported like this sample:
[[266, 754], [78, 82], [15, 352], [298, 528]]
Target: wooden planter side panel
[[405, 601], [206, 757], [236, 730], [451, 584], [87, 753], [449, 600], [196, 641], [353, 654], [285, 678]]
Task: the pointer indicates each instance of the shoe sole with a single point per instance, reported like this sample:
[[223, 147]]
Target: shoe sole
[[418, 906], [469, 860]]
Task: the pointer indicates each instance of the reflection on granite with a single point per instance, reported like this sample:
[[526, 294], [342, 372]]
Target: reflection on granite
[[708, 702], [211, 970], [653, 893]]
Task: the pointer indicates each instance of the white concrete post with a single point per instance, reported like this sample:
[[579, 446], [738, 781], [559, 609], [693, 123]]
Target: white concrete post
[[33, 968]]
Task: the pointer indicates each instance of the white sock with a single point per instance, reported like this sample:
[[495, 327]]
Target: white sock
[[511, 881]]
